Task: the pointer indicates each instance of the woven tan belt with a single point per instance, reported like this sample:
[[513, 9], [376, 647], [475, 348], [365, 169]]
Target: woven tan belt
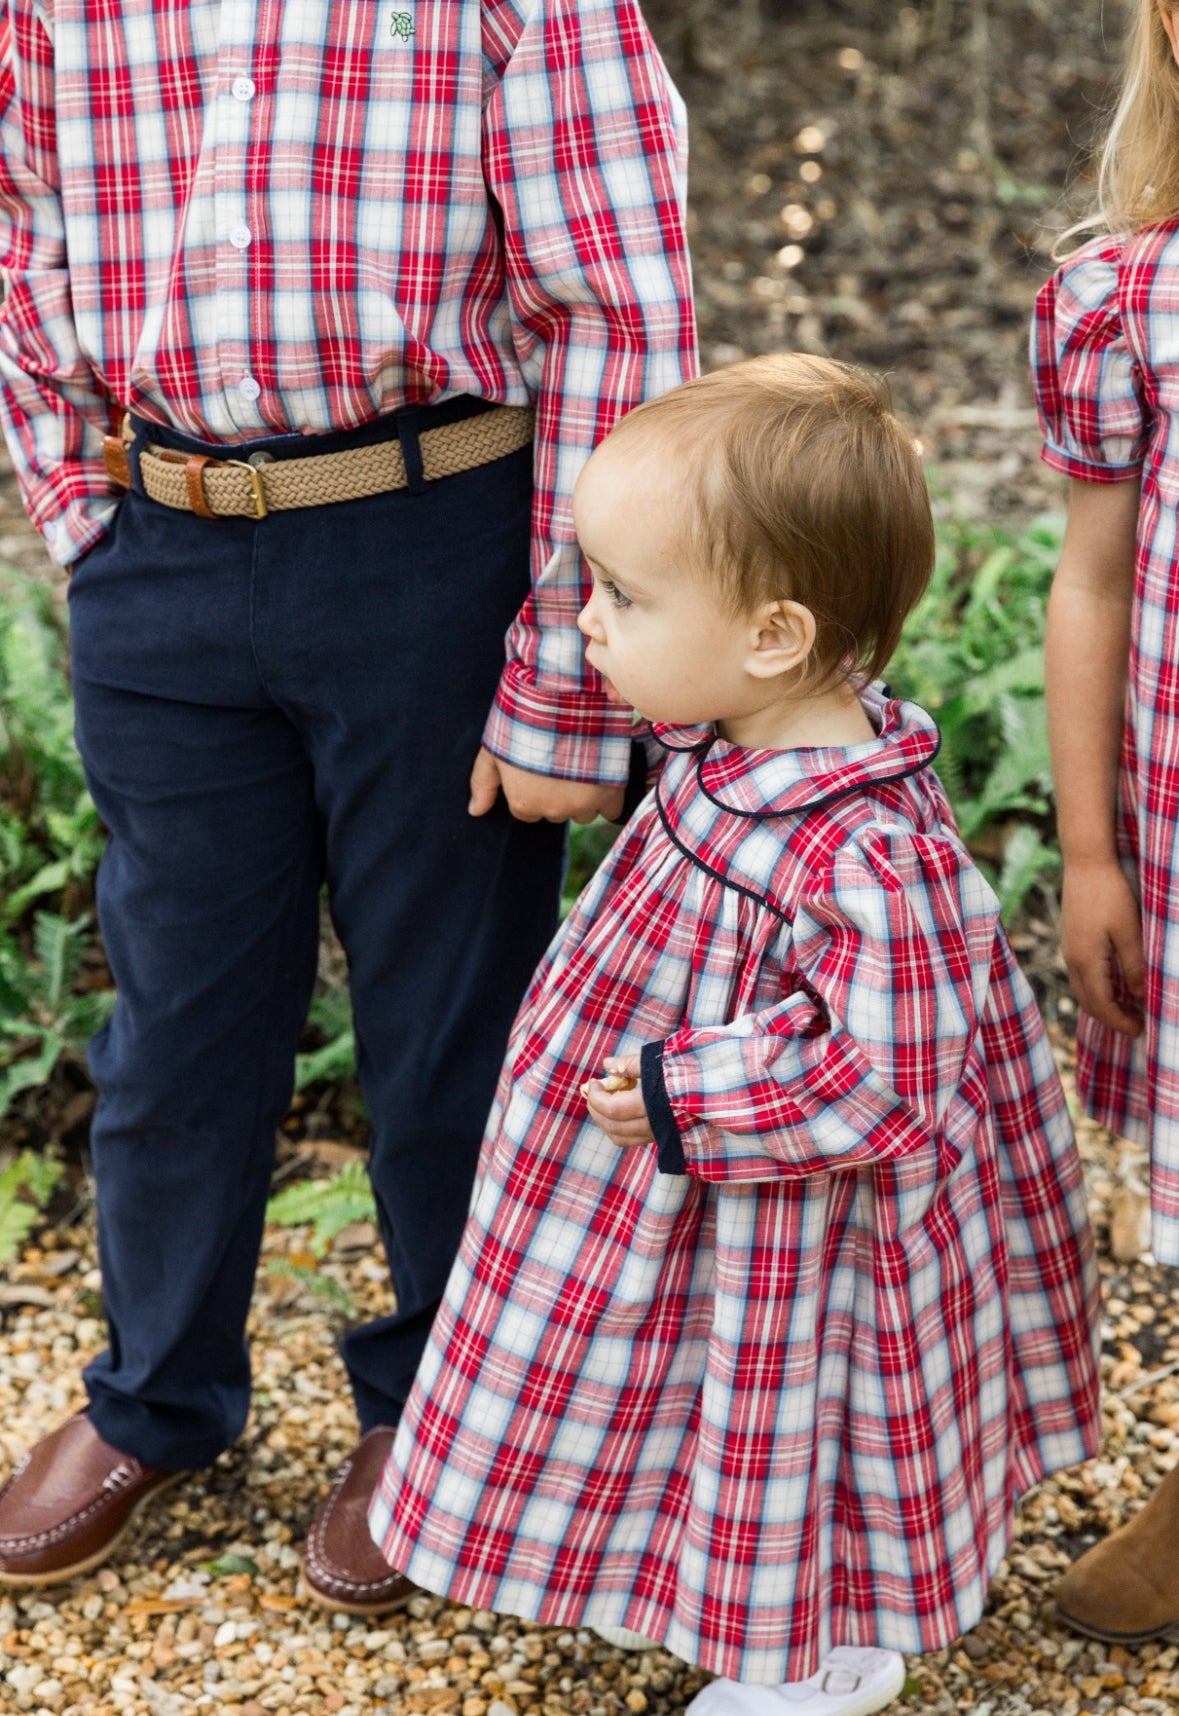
[[239, 488]]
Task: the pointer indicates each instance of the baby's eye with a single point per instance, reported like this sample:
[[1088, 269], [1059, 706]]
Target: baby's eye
[[616, 596]]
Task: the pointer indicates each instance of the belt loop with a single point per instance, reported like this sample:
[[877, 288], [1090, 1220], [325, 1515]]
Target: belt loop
[[411, 452], [134, 445]]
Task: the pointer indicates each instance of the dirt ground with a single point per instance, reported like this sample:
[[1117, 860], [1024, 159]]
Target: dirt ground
[[880, 183]]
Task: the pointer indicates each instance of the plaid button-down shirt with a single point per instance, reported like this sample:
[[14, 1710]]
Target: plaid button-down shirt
[[244, 221]]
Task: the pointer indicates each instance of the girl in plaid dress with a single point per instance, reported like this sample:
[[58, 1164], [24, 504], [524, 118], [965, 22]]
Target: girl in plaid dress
[[755, 1357], [1104, 350]]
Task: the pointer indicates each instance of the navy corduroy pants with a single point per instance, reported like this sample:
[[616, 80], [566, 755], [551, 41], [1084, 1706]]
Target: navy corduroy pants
[[260, 707]]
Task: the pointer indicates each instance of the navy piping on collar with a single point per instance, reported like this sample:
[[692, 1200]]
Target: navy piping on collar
[[813, 803], [682, 750], [725, 881]]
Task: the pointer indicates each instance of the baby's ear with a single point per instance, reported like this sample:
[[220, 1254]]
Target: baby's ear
[[782, 636]]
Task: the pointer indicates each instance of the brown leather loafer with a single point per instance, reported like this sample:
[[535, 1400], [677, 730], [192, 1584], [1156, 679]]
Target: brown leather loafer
[[1126, 1590], [69, 1504], [342, 1566]]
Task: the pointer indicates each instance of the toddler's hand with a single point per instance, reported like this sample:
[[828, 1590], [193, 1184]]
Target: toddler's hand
[[1101, 940], [616, 1102]]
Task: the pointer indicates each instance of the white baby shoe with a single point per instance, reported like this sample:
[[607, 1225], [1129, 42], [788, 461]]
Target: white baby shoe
[[623, 1639], [850, 1681]]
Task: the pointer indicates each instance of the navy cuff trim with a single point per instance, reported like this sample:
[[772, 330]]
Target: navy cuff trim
[[669, 1145]]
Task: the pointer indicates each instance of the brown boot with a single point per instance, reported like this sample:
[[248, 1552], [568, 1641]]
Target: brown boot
[[342, 1566], [1126, 1590], [69, 1504]]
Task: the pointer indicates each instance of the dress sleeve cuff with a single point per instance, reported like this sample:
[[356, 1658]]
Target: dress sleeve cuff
[[668, 1144], [1063, 459]]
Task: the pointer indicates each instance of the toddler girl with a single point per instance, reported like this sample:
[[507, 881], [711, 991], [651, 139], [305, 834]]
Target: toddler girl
[[1104, 350], [755, 1357]]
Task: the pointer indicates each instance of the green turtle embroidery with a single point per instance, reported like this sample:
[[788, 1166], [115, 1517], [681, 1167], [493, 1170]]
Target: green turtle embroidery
[[401, 25]]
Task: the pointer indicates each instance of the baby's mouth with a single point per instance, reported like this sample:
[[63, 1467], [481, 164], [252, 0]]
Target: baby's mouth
[[613, 695]]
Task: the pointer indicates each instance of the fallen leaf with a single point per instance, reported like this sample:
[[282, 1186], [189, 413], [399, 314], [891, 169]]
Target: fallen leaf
[[357, 1236], [161, 1605], [231, 1563], [1129, 1225], [24, 1293], [328, 1153], [60, 1263], [282, 1290]]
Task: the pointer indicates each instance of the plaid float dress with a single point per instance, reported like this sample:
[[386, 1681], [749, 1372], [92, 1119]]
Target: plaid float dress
[[1105, 347], [785, 1399]]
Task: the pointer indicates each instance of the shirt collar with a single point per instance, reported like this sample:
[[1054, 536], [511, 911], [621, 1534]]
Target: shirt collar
[[777, 783]]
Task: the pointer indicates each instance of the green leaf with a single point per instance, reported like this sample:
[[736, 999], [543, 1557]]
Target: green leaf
[[48, 880], [29, 1074], [1025, 861], [42, 1175], [326, 1205], [322, 1286], [26, 1186], [225, 1565], [16, 1223], [335, 1060], [59, 950], [15, 981]]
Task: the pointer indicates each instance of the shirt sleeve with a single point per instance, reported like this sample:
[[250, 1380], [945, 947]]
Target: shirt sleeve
[[1089, 390], [53, 410], [860, 1060], [585, 154]]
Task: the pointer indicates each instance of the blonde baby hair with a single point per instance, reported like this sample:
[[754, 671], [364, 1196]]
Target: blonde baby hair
[[800, 485]]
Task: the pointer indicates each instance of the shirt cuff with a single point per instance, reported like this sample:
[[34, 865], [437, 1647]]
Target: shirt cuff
[[573, 735], [83, 523], [669, 1146]]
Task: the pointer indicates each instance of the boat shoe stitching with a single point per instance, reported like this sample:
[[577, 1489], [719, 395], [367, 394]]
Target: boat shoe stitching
[[317, 1547], [116, 1480]]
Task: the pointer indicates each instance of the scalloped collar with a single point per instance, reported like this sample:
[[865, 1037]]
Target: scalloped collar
[[778, 783]]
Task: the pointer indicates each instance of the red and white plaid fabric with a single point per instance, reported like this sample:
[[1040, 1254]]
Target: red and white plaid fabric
[[784, 1400], [249, 220], [1103, 351]]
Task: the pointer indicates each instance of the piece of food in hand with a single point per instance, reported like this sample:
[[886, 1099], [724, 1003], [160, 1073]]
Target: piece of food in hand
[[611, 1081], [618, 1081]]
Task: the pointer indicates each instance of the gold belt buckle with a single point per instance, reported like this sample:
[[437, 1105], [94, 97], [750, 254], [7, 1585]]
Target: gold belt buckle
[[255, 477]]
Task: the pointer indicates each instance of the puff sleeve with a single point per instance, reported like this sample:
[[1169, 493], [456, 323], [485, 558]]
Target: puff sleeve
[[1089, 388]]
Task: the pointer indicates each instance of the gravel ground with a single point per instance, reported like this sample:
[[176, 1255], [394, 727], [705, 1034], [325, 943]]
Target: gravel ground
[[933, 141], [203, 1612]]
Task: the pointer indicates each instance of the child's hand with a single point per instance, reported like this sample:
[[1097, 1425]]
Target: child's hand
[[1101, 940], [621, 1113]]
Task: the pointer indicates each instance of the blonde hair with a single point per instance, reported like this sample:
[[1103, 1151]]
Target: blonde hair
[[802, 486], [1138, 168]]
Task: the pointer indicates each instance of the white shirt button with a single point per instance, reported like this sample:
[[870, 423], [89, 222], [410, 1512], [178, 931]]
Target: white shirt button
[[240, 236], [248, 387], [243, 87]]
